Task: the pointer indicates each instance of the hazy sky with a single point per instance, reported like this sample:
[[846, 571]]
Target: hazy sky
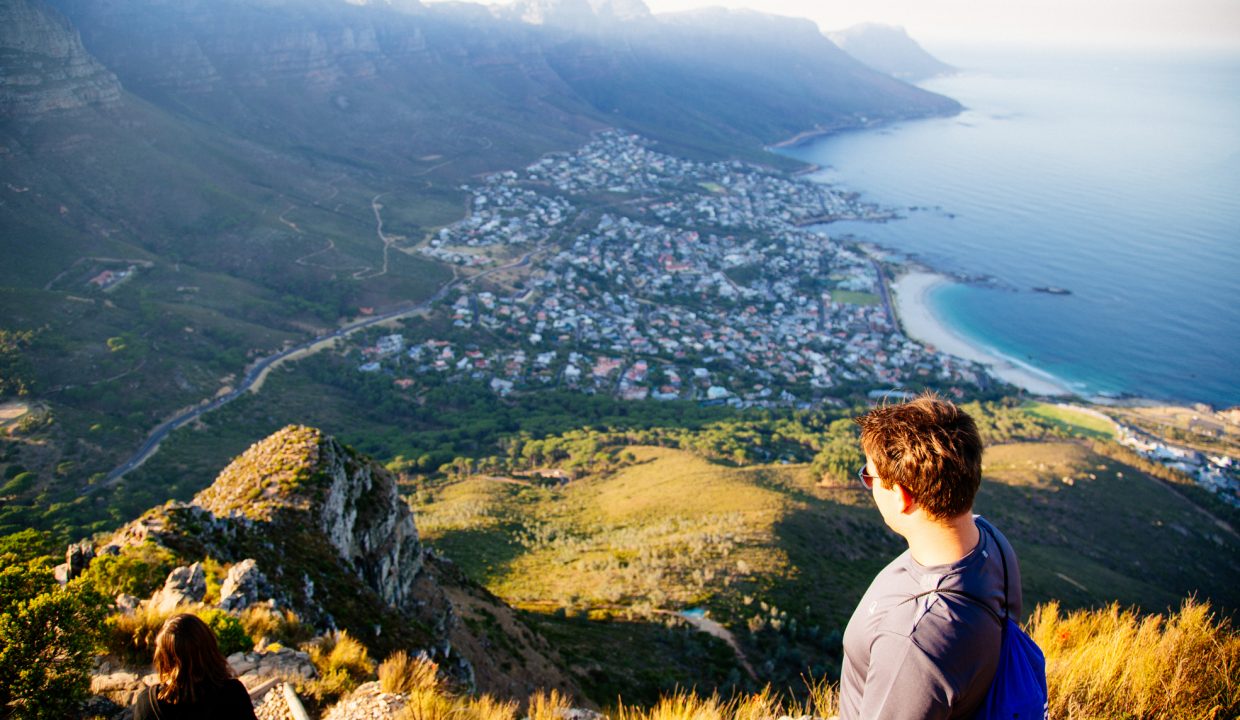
[[1105, 22], [1108, 23]]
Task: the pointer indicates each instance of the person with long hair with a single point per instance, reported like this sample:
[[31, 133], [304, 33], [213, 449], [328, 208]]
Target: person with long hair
[[195, 680]]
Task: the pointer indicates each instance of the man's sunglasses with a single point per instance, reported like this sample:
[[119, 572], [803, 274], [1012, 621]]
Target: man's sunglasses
[[867, 480]]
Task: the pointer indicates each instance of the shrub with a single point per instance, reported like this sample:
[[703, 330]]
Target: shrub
[[213, 573], [27, 544], [401, 674], [138, 570], [131, 636], [48, 636], [19, 484], [228, 630]]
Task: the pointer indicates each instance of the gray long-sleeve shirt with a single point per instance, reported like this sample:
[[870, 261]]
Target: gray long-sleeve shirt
[[933, 657]]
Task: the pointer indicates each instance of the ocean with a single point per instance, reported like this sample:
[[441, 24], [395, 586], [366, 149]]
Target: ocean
[[1113, 176]]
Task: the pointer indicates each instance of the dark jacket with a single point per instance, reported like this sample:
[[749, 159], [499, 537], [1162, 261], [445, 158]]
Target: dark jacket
[[212, 702]]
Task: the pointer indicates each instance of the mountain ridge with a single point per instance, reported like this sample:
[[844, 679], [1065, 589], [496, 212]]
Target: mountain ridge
[[890, 49]]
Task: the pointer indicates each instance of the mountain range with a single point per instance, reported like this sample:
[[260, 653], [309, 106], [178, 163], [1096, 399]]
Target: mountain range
[[228, 162]]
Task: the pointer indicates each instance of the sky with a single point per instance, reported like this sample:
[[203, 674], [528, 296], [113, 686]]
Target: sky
[[1191, 23], [1203, 24]]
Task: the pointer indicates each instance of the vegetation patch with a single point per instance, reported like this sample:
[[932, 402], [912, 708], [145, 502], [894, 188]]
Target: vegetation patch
[[850, 297], [1073, 420]]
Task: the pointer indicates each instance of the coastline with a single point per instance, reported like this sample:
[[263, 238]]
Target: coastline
[[911, 290]]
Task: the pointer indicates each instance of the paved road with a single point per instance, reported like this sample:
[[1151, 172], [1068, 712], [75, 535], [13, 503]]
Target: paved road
[[151, 445], [882, 290]]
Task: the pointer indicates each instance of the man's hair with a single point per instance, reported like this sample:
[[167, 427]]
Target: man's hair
[[931, 448], [187, 655]]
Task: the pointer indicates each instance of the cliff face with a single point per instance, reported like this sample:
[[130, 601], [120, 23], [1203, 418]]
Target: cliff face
[[43, 66], [334, 541], [302, 477]]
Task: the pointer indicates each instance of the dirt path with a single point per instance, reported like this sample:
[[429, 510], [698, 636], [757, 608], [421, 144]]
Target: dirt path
[[376, 207], [714, 629]]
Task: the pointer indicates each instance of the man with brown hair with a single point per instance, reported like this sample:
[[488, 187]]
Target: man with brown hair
[[924, 642]]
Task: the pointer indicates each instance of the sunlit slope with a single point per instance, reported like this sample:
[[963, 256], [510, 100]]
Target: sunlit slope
[[1091, 529], [674, 530]]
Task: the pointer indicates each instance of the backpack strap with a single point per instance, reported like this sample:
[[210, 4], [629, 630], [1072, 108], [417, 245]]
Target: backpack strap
[[1003, 558], [973, 598], [960, 593]]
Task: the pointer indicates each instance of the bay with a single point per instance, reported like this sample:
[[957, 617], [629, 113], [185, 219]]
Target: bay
[[1114, 176]]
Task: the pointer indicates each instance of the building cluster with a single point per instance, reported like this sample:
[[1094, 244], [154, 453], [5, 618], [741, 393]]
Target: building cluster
[[1220, 474], [701, 282]]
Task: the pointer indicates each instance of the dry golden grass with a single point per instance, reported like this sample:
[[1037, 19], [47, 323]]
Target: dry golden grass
[[549, 705], [431, 704], [488, 708], [436, 703], [131, 636], [1114, 663], [821, 701], [263, 622], [400, 673], [1109, 663], [343, 664]]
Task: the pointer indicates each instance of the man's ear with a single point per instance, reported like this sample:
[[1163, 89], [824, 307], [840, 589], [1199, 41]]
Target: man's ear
[[908, 503]]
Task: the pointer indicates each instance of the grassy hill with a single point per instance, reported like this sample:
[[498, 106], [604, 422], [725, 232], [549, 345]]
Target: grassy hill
[[781, 560]]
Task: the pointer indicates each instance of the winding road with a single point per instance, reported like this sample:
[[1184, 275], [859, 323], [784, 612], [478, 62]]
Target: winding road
[[258, 370]]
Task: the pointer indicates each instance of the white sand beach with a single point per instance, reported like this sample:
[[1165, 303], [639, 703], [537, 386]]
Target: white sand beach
[[911, 296]]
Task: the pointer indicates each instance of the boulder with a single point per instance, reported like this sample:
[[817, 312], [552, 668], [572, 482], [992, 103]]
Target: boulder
[[284, 663], [243, 586], [121, 686], [369, 702], [78, 558], [184, 585]]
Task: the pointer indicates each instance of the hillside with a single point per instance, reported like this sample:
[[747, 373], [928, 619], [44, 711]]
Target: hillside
[[781, 559], [638, 570]]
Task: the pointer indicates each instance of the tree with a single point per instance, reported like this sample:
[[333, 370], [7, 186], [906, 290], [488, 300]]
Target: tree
[[16, 371], [48, 635]]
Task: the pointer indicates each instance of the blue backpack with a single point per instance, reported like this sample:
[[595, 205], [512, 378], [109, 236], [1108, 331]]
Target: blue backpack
[[1018, 691]]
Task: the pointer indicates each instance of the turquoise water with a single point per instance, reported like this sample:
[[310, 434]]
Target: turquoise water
[[1115, 177]]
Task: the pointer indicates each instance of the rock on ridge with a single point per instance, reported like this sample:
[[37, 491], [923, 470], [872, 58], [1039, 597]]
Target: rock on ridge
[[355, 503]]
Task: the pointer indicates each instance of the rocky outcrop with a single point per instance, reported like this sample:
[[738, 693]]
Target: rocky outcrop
[[184, 586], [307, 524], [244, 586], [353, 502], [43, 66]]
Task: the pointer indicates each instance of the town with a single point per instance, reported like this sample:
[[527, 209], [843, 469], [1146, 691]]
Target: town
[[1219, 473], [663, 278]]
